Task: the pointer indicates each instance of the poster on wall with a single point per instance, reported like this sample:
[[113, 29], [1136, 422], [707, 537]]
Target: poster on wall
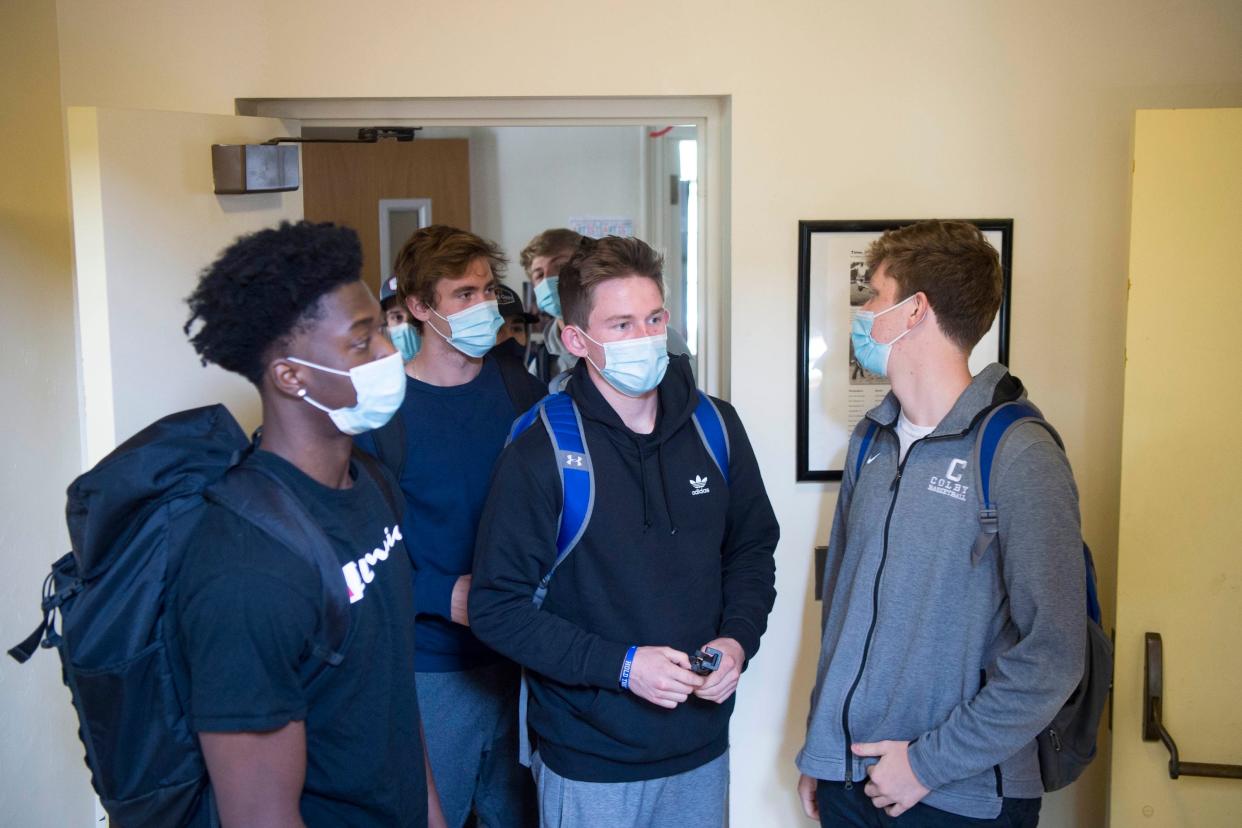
[[597, 228], [834, 391]]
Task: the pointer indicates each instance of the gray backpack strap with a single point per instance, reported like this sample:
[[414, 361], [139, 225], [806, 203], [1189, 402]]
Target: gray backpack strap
[[524, 746]]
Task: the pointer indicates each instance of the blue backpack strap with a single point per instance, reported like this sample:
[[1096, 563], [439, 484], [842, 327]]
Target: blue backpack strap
[[564, 424], [1093, 593], [525, 421], [994, 429], [865, 446], [711, 428], [997, 425]]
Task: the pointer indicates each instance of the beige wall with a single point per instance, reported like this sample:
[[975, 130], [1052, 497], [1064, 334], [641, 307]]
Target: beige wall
[[131, 169], [43, 779], [839, 110]]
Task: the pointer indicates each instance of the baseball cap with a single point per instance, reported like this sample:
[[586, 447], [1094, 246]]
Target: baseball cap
[[511, 305], [388, 289]]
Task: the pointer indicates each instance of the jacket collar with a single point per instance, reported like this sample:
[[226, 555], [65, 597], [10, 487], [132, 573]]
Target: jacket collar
[[991, 387]]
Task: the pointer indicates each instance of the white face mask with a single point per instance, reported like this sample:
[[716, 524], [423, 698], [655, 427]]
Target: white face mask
[[380, 386], [633, 366]]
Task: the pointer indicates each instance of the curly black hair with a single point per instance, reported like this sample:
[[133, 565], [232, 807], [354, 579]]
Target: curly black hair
[[264, 288]]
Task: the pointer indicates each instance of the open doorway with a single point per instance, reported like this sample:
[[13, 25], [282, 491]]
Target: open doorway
[[599, 166], [510, 183]]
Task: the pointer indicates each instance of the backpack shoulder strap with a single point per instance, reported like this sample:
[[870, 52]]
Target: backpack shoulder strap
[[262, 499], [996, 427], [561, 419], [525, 420], [390, 444], [993, 431], [865, 446], [710, 425], [563, 422], [392, 494], [522, 388]]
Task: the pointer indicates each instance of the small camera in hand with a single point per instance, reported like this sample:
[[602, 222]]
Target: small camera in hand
[[705, 661]]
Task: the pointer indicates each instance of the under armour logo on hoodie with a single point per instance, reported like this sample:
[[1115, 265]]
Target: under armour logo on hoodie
[[699, 485]]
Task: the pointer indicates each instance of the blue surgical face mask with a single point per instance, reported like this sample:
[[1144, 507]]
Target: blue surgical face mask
[[379, 385], [633, 366], [405, 339], [473, 331], [547, 295], [872, 355]]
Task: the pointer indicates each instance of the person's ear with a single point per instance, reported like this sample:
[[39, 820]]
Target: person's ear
[[417, 308], [919, 309], [286, 377], [574, 341]]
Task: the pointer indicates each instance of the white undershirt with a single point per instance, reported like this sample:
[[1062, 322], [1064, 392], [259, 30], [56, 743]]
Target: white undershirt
[[908, 432]]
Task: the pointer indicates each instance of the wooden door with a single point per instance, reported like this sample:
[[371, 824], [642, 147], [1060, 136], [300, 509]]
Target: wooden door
[[344, 184], [1180, 546]]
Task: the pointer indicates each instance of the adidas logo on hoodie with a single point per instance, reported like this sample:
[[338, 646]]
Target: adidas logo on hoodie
[[698, 484]]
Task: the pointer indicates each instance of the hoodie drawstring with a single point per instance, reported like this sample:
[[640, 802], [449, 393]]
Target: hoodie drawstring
[[642, 476], [642, 479], [668, 506]]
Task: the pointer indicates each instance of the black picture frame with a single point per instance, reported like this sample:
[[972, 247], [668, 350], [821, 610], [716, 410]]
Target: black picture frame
[[829, 469]]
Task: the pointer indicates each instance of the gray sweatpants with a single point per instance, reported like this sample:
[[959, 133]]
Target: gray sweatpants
[[470, 724], [694, 799]]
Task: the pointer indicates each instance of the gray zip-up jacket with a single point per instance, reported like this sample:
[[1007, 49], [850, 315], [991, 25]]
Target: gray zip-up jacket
[[969, 661]]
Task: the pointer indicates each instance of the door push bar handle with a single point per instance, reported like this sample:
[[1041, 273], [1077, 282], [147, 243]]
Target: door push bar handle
[[1154, 729]]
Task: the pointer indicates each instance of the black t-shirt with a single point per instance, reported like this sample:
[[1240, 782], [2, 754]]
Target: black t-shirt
[[248, 612]]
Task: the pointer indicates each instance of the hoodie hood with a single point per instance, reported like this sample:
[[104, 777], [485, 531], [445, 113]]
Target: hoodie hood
[[677, 400], [991, 387]]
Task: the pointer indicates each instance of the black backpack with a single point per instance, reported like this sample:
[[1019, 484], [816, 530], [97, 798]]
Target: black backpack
[[390, 438], [129, 519]]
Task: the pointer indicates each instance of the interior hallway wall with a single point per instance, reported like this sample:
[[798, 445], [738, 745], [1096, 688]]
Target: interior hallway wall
[[838, 110], [524, 180], [43, 779]]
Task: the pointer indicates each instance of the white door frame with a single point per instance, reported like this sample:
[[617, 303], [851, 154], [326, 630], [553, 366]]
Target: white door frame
[[711, 114], [388, 206]]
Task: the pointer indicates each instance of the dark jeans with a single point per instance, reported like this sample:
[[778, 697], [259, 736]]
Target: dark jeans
[[839, 808]]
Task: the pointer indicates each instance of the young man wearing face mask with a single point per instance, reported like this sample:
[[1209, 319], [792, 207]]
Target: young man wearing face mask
[[286, 739], [674, 558], [400, 332], [514, 336], [542, 259], [941, 662], [461, 398]]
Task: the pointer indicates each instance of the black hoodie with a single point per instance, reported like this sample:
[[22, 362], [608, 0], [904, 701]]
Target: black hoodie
[[664, 561]]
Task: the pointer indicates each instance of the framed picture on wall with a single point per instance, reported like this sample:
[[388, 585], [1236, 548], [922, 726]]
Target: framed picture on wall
[[834, 392]]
